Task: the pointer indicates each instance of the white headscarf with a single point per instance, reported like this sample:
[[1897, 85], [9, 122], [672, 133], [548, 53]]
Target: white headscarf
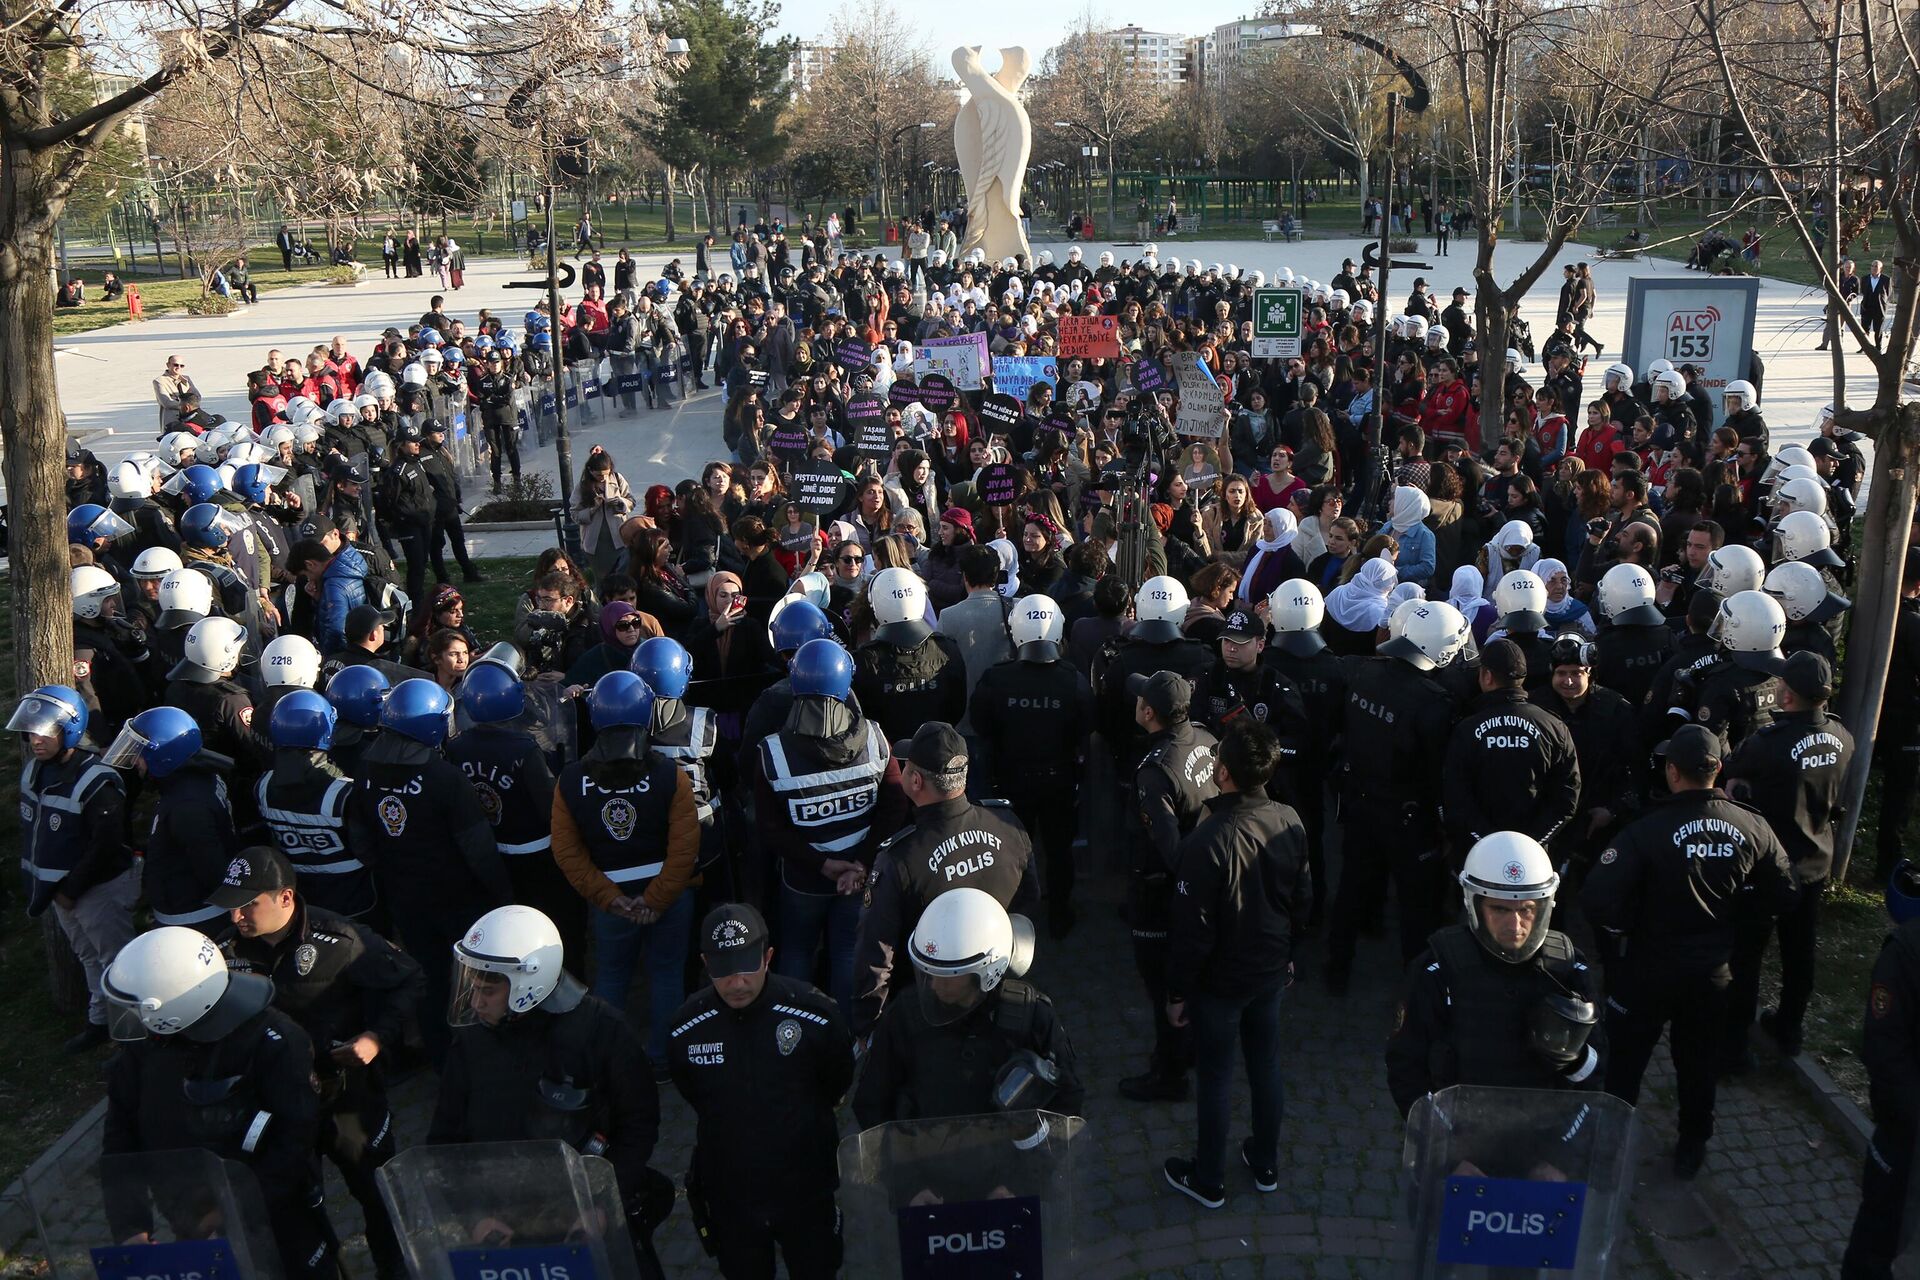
[[1285, 530], [1360, 603], [1410, 507], [1009, 559], [1404, 593], [1514, 535], [1464, 595]]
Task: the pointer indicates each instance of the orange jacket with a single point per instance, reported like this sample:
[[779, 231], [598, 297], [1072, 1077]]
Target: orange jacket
[[682, 856]]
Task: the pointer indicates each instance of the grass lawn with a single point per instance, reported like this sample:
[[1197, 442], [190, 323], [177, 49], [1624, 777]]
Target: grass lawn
[[160, 296]]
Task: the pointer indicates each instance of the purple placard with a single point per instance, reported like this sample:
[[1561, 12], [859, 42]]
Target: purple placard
[[788, 443], [853, 353], [999, 483], [1149, 376], [903, 391], [867, 427], [938, 393]]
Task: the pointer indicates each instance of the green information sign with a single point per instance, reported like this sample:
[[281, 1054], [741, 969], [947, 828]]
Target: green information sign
[[1276, 323]]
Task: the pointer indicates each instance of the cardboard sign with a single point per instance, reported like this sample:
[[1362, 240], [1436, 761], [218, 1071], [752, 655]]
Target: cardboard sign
[[1016, 375], [788, 442], [961, 360], [938, 393], [999, 483], [1511, 1222], [999, 412], [1062, 420], [853, 353], [903, 391], [867, 428], [757, 378], [970, 1239], [816, 487], [1200, 400], [1095, 336], [1148, 376]]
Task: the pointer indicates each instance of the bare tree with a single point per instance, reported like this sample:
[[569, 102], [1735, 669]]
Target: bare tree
[[1087, 84]]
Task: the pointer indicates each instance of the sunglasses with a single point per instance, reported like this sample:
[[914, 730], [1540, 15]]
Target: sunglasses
[[852, 559], [627, 624]]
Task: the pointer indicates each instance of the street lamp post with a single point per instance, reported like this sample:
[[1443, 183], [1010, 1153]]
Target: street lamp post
[[1092, 153], [893, 140]]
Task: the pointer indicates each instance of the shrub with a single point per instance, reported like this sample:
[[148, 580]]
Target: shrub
[[531, 497], [211, 304], [1403, 245]]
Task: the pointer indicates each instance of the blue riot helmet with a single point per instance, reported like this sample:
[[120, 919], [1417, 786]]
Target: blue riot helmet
[[163, 737], [417, 709], [621, 700], [795, 621], [494, 690], [823, 669], [206, 526], [90, 520], [253, 480], [358, 693], [49, 711], [303, 718], [665, 665], [199, 483]]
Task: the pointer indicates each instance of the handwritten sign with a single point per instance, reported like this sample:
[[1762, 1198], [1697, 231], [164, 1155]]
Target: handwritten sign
[[1200, 400], [962, 360], [1094, 336], [1016, 375]]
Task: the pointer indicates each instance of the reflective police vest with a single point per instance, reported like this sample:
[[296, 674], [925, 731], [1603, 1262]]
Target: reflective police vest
[[315, 842], [689, 743], [624, 828], [492, 757], [830, 806], [52, 799]]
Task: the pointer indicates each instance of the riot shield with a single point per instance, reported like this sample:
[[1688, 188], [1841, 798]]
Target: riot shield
[[1514, 1183], [509, 1209], [161, 1213], [968, 1196], [550, 720]]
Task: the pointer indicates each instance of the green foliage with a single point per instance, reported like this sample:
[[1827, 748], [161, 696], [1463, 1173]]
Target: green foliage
[[529, 498], [450, 176], [211, 304], [723, 111]]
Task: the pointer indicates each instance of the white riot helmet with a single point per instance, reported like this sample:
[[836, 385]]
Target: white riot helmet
[[1173, 265], [1073, 254], [290, 661], [965, 933], [1657, 367], [1338, 300], [213, 649], [305, 434], [176, 443], [1743, 391], [186, 596], [156, 563], [1509, 867], [938, 257], [413, 375], [1402, 612], [1750, 627], [173, 980], [1434, 635], [1159, 607], [517, 944], [1295, 609], [92, 588], [1521, 598], [1625, 597], [1801, 494], [1670, 382], [278, 434], [1805, 537], [1803, 593], [899, 600], [1436, 337], [1151, 249], [1046, 257], [1730, 570], [343, 407], [1793, 455], [1362, 311], [1036, 626], [1416, 329], [1514, 363], [1822, 418], [130, 480], [1106, 259], [1286, 273], [1619, 377], [1259, 278]]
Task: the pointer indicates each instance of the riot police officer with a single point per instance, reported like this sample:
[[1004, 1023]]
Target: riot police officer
[[1171, 787], [1154, 644], [827, 791], [412, 816], [1398, 719], [1521, 598], [1300, 653], [535, 1056], [1606, 743], [1510, 766], [1791, 771], [952, 843], [73, 821], [352, 992], [357, 694], [1692, 650], [687, 736], [1502, 999], [203, 685], [763, 1061], [1667, 891], [183, 598], [1239, 684], [110, 657], [1636, 640], [1737, 694], [908, 674], [209, 1064], [1033, 714], [303, 801], [795, 621], [192, 831], [968, 1040], [626, 836], [205, 531], [288, 662]]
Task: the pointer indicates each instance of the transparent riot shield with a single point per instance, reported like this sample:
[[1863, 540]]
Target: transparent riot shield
[[161, 1213], [968, 1196], [507, 1209], [1517, 1183]]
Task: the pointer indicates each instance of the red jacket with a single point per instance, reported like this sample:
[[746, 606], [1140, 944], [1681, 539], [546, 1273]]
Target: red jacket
[[1598, 445], [347, 370], [1444, 415]]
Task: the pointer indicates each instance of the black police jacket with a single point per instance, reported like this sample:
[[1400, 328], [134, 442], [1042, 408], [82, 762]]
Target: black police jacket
[[1466, 1015], [1321, 680], [1171, 788], [1222, 695], [1666, 887], [1240, 896], [1606, 740], [763, 1083], [406, 495], [1730, 700], [338, 979], [268, 1120], [1510, 766], [1128, 656], [110, 666], [188, 845], [902, 689], [1627, 658], [1900, 706], [951, 844], [1691, 652], [1397, 724], [917, 1071], [414, 819], [490, 1087], [1791, 771], [1034, 719], [1890, 1046], [224, 712]]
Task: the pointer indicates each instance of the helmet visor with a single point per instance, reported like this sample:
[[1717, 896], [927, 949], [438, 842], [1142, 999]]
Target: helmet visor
[[124, 1021], [947, 998], [108, 525], [41, 715], [1511, 928], [129, 747], [480, 997]]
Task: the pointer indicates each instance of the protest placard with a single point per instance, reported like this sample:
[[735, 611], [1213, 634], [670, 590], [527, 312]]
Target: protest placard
[[999, 483], [1015, 375], [962, 360], [1095, 336], [999, 413], [1200, 403], [867, 428], [816, 487]]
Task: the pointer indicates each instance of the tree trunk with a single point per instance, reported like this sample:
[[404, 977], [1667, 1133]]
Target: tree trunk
[[667, 187], [1896, 452], [1363, 191]]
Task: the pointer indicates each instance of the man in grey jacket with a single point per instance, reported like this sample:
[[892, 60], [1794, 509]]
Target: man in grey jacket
[[978, 624]]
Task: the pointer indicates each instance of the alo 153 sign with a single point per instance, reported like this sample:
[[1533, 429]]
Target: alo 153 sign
[[1706, 322]]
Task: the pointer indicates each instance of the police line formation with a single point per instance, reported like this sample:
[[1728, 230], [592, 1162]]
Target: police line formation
[[854, 690]]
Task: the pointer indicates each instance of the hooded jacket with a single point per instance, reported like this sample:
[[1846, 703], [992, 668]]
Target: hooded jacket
[[1418, 554]]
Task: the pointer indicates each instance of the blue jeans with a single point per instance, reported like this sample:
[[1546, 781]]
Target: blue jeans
[[1252, 1019], [804, 917], [617, 943]]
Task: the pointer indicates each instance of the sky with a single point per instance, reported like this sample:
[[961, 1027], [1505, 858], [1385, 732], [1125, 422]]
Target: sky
[[1037, 27]]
